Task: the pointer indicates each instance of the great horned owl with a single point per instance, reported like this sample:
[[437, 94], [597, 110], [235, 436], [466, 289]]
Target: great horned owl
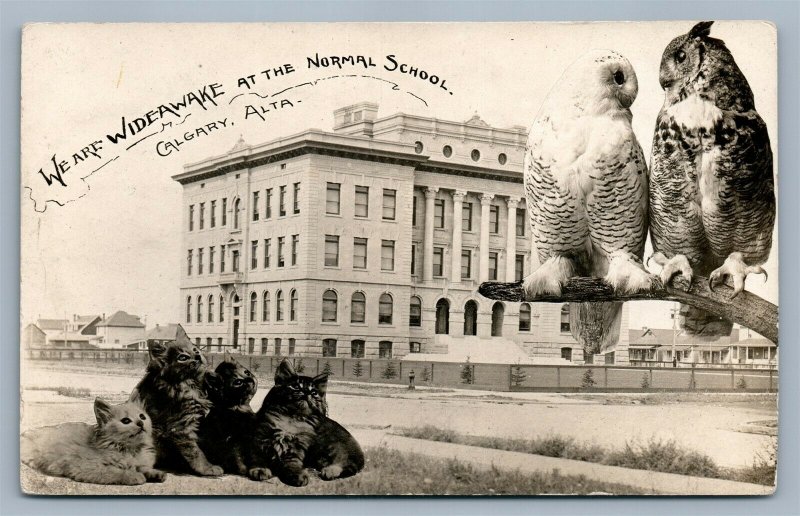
[[586, 189], [712, 199]]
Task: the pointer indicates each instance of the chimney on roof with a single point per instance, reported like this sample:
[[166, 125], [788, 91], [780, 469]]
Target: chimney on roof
[[104, 316], [356, 119]]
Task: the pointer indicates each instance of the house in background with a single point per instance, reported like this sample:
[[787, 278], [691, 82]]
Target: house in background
[[653, 347], [160, 335], [80, 332], [120, 330]]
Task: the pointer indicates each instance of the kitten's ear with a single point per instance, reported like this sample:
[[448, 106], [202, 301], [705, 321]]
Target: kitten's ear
[[284, 372], [321, 383], [102, 411], [214, 382]]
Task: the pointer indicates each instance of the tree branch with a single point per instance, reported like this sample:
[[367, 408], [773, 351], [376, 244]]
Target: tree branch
[[746, 309]]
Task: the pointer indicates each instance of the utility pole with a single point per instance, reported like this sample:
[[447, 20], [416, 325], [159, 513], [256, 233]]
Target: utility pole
[[674, 314]]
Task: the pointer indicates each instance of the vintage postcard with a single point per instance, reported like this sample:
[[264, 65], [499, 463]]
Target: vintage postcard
[[405, 259]]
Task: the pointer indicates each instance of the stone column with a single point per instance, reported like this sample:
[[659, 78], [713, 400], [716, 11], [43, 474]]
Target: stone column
[[511, 237], [486, 201], [455, 264], [427, 259]]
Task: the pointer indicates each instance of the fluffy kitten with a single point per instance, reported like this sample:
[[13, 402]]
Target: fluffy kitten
[[294, 432], [173, 392], [117, 450], [226, 433]]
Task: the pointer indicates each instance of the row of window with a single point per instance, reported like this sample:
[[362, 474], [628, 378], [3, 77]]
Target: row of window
[[277, 348], [439, 214], [360, 246], [447, 151], [358, 348], [333, 204], [358, 307], [256, 213], [466, 264], [254, 245], [253, 312]]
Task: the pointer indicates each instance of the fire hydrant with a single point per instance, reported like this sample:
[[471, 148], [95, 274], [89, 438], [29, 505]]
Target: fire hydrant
[[411, 377]]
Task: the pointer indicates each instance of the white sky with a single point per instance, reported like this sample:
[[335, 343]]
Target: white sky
[[118, 246]]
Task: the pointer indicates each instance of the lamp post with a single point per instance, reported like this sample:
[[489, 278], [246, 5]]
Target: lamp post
[[673, 313]]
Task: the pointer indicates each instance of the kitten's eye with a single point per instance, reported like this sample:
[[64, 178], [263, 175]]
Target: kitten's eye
[[680, 56], [247, 372], [237, 382], [126, 420], [619, 77], [142, 417], [183, 358]]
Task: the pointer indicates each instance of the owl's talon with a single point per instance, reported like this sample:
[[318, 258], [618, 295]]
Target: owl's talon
[[734, 268], [670, 267], [549, 278]]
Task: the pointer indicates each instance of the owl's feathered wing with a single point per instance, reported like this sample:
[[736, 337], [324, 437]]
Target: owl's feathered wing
[[711, 192], [586, 189]]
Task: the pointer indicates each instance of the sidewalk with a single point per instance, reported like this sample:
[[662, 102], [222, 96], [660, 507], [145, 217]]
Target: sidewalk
[[486, 458]]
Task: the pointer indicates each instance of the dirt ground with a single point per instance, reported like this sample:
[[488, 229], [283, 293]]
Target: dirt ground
[[731, 428]]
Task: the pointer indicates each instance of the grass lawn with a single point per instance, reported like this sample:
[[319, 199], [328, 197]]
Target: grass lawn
[[387, 472], [663, 456]]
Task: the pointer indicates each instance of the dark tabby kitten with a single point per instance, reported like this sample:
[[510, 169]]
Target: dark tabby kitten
[[173, 393], [226, 433], [294, 432]]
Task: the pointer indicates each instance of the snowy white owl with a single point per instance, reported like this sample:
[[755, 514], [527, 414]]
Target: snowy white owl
[[586, 189]]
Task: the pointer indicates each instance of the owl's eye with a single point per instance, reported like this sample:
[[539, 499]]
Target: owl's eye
[[680, 56], [125, 420], [619, 77], [237, 382]]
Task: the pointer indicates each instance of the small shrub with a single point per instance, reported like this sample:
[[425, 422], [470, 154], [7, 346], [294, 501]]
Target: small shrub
[[467, 372], [646, 380], [741, 384], [664, 456], [390, 371], [299, 366], [764, 466], [358, 369], [326, 369], [587, 381], [255, 366], [425, 375], [517, 375]]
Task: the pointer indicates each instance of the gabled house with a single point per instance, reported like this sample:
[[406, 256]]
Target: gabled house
[[120, 330]]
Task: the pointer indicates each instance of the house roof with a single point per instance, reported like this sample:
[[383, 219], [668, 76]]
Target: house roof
[[86, 319], [166, 332], [756, 343], [122, 319], [51, 324], [649, 337]]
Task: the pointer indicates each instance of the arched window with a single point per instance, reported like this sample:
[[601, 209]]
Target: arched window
[[237, 205], [253, 306], [524, 317], [470, 318], [443, 317], [329, 347], [358, 307], [565, 318], [357, 349], [279, 305], [498, 312], [189, 309], [415, 312], [293, 305], [384, 349], [221, 309], [329, 308], [265, 307], [566, 354], [210, 308], [199, 308], [385, 309]]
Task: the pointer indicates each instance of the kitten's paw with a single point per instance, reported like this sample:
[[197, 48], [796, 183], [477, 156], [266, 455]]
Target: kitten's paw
[[331, 472], [212, 471], [259, 474], [154, 475], [132, 478], [298, 479]]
